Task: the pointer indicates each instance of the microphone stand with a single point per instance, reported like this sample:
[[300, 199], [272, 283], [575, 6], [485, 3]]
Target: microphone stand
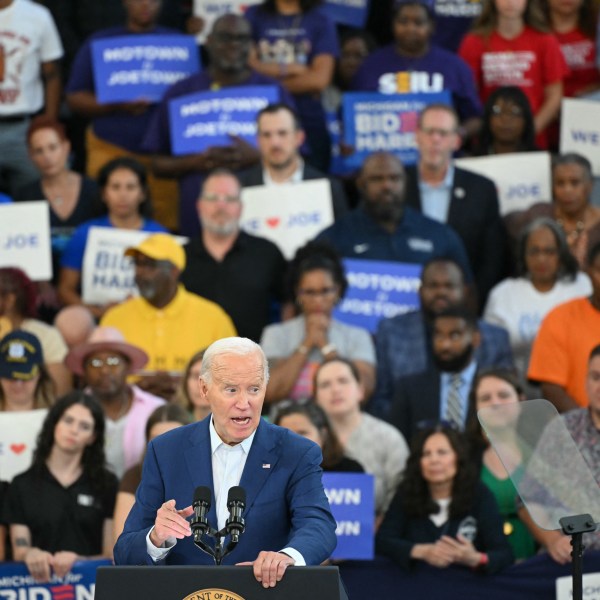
[[217, 553]]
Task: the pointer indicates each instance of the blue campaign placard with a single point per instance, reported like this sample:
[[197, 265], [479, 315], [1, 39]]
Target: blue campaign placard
[[386, 122], [352, 500], [347, 12], [206, 119], [78, 584], [135, 67], [378, 290]]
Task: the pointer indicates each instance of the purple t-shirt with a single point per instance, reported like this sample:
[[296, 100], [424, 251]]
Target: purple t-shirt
[[388, 72], [158, 139], [122, 129], [453, 20], [287, 39]]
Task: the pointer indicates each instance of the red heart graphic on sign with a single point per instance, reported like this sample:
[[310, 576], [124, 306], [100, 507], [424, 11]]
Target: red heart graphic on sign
[[18, 448], [273, 221]]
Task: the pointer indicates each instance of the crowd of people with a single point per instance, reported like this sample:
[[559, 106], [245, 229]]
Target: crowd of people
[[509, 305]]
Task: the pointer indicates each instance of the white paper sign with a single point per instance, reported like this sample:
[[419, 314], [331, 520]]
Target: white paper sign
[[591, 587], [290, 214], [580, 130], [18, 437], [25, 238], [210, 10], [107, 274], [522, 178]]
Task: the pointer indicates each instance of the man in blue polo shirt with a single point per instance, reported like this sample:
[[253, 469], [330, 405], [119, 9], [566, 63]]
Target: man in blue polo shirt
[[383, 227]]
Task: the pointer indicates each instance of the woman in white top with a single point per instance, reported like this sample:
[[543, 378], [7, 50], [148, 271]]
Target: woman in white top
[[548, 275]]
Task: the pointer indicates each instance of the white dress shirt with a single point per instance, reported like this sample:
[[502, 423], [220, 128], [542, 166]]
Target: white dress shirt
[[228, 464]]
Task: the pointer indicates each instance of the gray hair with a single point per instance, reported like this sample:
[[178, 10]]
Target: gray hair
[[567, 263], [572, 158], [231, 345]]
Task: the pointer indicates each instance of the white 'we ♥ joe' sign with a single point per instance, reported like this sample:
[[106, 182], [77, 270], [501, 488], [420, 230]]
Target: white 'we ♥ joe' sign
[[290, 214], [521, 178]]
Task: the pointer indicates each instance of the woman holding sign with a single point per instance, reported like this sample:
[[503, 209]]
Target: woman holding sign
[[68, 478], [71, 197], [296, 43], [507, 124], [124, 193]]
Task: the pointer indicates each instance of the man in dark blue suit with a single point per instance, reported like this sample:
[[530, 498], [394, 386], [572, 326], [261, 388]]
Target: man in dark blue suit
[[288, 521], [403, 342], [426, 397], [465, 201]]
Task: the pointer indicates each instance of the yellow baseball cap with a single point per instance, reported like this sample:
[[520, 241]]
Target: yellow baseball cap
[[160, 246]]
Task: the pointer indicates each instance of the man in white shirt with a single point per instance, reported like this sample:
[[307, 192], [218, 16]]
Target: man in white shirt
[[465, 201], [287, 516], [280, 138]]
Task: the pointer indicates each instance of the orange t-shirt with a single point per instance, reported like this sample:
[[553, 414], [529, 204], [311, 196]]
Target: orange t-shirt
[[562, 347]]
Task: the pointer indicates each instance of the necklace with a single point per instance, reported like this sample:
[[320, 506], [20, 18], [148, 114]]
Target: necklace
[[290, 51], [573, 235]]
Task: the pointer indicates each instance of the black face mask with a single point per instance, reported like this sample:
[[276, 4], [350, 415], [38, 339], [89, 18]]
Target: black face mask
[[455, 364]]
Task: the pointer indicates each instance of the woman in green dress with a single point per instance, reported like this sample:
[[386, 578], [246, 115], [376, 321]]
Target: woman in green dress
[[500, 387]]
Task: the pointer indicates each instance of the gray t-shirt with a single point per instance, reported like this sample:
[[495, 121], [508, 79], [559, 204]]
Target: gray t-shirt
[[282, 339]]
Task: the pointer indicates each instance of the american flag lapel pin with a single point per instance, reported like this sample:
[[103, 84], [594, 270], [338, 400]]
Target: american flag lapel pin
[[266, 465]]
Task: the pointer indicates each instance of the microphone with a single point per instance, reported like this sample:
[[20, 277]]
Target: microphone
[[201, 506], [236, 503]]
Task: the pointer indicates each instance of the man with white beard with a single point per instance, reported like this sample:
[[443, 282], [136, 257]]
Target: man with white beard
[[242, 273]]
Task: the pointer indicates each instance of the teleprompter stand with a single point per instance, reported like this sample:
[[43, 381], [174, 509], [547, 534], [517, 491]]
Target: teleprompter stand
[[576, 526]]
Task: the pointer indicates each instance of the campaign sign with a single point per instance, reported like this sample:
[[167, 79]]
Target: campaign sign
[[290, 214], [352, 501], [522, 178], [107, 274], [135, 67], [378, 290], [210, 10], [25, 238], [18, 438], [78, 584], [210, 118], [580, 130], [384, 122], [590, 587], [347, 12]]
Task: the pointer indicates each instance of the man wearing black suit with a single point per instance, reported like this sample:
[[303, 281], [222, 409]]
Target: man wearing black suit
[[280, 137], [466, 201], [442, 392]]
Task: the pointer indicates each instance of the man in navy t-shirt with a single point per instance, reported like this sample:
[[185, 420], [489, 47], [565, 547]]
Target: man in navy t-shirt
[[383, 227]]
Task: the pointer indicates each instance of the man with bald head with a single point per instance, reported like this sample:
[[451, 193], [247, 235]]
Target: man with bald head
[[228, 46], [404, 343], [383, 227]]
